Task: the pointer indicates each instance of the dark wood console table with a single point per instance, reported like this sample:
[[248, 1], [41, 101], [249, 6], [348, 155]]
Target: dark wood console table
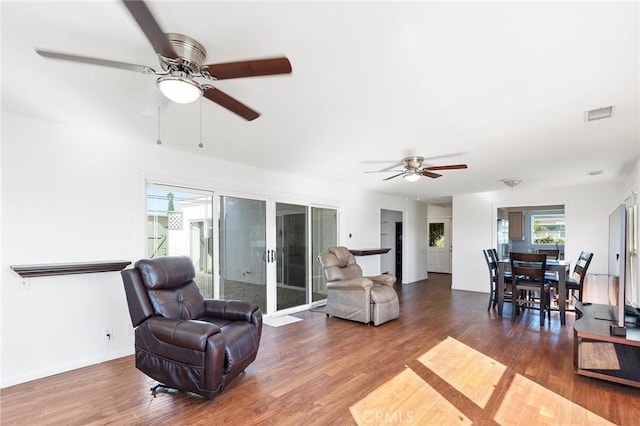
[[369, 252], [596, 353]]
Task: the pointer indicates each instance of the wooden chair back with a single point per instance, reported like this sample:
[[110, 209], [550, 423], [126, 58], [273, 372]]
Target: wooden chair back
[[552, 254], [582, 264]]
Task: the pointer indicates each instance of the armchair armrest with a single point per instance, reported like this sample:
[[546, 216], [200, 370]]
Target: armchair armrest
[[355, 283], [232, 310], [385, 279], [189, 334]]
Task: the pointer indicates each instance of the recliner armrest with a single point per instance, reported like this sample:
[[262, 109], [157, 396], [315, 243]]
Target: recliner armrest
[[232, 310], [386, 279], [189, 334], [355, 283]]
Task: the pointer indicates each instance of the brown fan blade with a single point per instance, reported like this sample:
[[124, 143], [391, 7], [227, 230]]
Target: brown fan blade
[[151, 29], [449, 167], [394, 176], [253, 68], [230, 103], [429, 174]]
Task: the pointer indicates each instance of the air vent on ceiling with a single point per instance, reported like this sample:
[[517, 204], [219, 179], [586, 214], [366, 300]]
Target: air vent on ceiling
[[599, 113]]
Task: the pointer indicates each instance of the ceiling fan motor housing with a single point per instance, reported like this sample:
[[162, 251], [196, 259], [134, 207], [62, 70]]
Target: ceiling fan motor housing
[[414, 162], [191, 53]]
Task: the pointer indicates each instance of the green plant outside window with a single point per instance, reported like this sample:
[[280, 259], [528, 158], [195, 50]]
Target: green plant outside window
[[548, 229], [436, 235]]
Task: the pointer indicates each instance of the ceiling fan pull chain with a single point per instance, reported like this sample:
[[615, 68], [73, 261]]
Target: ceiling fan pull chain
[[200, 144], [158, 141]]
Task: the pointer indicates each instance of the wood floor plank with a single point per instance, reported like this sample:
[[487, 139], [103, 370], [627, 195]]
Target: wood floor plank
[[313, 371]]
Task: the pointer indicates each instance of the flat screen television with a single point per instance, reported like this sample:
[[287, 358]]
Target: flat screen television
[[622, 309]]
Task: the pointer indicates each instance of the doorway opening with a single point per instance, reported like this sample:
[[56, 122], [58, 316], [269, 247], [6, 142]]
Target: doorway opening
[[527, 229], [391, 237]]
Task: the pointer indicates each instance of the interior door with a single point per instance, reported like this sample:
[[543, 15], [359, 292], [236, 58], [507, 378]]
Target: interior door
[[439, 251]]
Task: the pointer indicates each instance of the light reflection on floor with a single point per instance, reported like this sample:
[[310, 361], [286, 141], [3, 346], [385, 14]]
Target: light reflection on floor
[[407, 399], [481, 373]]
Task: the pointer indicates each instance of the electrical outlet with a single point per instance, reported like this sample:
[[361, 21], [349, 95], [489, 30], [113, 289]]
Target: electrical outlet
[[108, 333]]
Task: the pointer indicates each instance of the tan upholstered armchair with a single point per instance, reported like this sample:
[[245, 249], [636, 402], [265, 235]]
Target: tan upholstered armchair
[[354, 297]]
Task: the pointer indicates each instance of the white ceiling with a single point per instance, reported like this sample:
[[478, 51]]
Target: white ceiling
[[501, 86]]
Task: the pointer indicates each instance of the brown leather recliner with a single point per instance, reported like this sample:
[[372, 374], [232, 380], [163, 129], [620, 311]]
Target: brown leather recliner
[[182, 340], [352, 296]]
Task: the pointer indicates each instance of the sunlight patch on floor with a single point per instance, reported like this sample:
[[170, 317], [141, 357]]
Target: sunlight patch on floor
[[472, 373], [528, 403], [409, 399], [406, 399]]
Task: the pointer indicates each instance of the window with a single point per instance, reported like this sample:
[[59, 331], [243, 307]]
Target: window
[[436, 234], [547, 228]]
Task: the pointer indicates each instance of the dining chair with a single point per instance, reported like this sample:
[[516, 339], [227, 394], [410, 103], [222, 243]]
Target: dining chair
[[575, 282], [552, 254], [491, 257], [529, 284]]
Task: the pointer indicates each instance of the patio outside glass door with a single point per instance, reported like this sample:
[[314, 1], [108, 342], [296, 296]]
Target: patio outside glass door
[[179, 223], [244, 254]]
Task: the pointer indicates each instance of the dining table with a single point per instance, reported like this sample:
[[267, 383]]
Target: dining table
[[559, 267]]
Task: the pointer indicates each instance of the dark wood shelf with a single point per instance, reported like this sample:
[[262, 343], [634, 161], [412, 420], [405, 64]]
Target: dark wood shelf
[[26, 271], [369, 252], [589, 328]]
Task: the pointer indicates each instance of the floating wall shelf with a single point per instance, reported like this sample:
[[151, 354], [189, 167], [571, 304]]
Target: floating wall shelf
[[369, 252], [26, 271]]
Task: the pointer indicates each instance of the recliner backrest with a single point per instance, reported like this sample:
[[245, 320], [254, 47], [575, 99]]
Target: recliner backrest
[[170, 284], [338, 264]]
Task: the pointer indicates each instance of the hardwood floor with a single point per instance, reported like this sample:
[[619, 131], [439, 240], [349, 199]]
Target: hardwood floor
[[445, 356]]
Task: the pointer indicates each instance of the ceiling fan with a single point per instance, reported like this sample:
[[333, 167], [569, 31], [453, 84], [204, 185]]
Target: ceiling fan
[[181, 59], [414, 169]]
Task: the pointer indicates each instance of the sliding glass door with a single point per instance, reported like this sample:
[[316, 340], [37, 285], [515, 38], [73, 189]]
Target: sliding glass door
[[292, 256], [324, 234], [179, 222], [243, 250], [260, 251]]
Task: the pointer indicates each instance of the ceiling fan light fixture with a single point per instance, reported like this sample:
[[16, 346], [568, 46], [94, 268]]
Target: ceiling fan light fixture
[[412, 177], [179, 89]]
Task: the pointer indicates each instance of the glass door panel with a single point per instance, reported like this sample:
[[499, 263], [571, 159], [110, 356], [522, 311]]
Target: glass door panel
[[291, 255], [243, 271], [324, 234], [439, 250], [179, 224]]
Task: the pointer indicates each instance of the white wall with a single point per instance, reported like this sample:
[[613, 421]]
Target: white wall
[[587, 212], [72, 195]]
